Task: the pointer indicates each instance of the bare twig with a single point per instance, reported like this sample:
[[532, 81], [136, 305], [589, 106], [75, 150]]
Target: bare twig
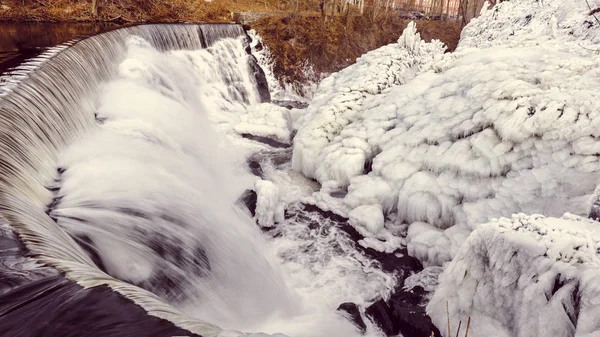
[[458, 331], [590, 49], [448, 316], [468, 326], [593, 11]]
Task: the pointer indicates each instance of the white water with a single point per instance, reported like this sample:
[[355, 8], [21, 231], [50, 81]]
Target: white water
[[153, 190]]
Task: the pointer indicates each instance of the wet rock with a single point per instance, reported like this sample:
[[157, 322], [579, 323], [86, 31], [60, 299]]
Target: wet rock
[[261, 80], [353, 312], [404, 313], [380, 313], [291, 104], [249, 199], [266, 140], [255, 167]]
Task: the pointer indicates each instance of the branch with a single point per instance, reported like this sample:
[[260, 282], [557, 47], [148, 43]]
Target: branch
[[593, 11]]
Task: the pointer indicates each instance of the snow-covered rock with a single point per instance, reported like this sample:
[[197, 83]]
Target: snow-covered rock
[[338, 103], [524, 276], [426, 279], [509, 123], [532, 22], [266, 120], [367, 220], [269, 207]]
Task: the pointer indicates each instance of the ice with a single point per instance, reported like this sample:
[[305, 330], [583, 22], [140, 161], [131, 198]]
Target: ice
[[265, 120], [269, 207], [367, 219], [506, 124], [338, 103], [527, 275], [426, 279]]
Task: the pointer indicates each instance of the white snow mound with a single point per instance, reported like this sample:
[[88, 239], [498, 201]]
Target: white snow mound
[[526, 276], [340, 97], [269, 207], [510, 126]]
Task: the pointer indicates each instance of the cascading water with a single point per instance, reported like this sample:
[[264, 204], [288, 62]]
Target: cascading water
[[112, 166]]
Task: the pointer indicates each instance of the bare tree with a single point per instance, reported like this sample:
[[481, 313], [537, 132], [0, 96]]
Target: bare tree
[[94, 8], [464, 5]]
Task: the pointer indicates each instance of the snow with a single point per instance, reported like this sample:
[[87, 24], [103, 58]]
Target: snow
[[426, 279], [338, 103], [266, 120], [453, 140], [527, 275], [269, 207], [368, 220]]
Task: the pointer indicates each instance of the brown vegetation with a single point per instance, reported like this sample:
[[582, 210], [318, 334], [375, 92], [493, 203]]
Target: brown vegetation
[[114, 10], [323, 33], [141, 10]]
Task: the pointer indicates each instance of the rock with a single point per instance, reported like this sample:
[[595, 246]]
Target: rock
[[249, 199], [270, 210], [291, 104], [367, 217], [353, 313], [379, 313], [404, 313], [266, 140], [246, 18], [255, 167], [261, 80]]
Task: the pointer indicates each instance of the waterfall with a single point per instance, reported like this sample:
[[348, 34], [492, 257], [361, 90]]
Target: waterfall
[[72, 122]]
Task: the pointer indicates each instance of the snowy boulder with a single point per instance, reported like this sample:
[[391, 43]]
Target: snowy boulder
[[338, 102], [529, 22], [594, 209], [367, 220], [266, 120], [433, 246], [269, 207], [526, 276]]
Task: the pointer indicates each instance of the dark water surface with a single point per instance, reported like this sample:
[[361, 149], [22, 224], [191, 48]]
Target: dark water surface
[[21, 41]]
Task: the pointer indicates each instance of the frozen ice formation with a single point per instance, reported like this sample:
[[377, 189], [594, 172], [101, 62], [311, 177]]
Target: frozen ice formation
[[524, 276], [508, 123]]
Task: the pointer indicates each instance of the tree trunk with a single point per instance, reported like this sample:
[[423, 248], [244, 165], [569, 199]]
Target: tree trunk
[[94, 8], [475, 7], [464, 6]]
